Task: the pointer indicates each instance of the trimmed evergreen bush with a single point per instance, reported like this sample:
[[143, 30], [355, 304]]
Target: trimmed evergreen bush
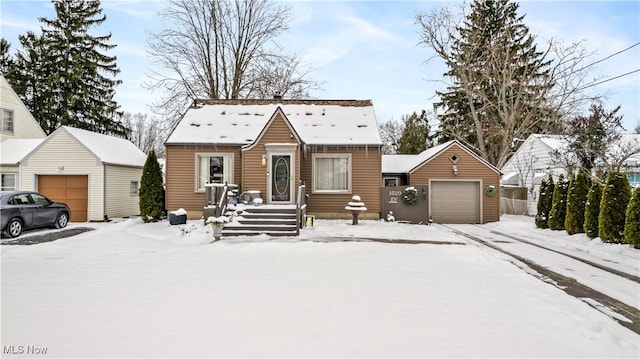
[[592, 210], [632, 221], [544, 203], [613, 208], [576, 201], [559, 204], [151, 190]]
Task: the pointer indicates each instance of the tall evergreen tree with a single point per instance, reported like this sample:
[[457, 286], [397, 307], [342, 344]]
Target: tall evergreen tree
[[632, 221], [65, 76], [613, 207], [6, 61], [500, 81], [151, 190], [559, 204], [576, 202], [545, 199], [592, 210], [415, 136]]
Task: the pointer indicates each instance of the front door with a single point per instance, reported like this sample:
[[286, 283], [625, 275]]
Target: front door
[[281, 178]]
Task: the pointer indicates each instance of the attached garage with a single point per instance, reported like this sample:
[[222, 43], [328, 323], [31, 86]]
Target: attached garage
[[462, 187], [455, 202], [72, 190]]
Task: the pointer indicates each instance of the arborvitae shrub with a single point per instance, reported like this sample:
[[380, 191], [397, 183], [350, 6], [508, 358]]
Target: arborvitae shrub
[[559, 205], [632, 221], [151, 190], [613, 208], [544, 203], [576, 200], [592, 210]]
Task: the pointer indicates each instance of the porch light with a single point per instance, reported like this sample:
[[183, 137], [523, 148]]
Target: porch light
[[455, 170], [264, 160]]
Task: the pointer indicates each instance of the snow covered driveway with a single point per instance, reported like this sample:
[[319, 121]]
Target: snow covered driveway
[[130, 290]]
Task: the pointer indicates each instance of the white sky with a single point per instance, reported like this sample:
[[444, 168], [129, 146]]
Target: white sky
[[368, 49]]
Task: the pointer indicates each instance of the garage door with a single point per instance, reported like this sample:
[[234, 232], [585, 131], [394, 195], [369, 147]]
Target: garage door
[[72, 190], [455, 202]]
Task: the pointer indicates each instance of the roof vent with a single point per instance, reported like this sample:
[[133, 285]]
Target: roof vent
[[361, 126], [277, 96], [195, 124]]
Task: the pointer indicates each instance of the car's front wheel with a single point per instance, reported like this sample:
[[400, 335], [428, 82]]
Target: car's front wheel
[[62, 220], [14, 228]]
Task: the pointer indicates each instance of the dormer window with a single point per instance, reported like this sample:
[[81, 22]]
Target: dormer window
[[7, 121]]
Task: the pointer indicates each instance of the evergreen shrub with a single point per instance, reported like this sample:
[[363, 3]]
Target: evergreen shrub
[[613, 208], [576, 201], [544, 203], [151, 190], [632, 221], [592, 210], [559, 204]]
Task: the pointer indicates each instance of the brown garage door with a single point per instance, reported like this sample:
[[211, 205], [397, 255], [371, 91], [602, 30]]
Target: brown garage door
[[455, 202], [72, 190]]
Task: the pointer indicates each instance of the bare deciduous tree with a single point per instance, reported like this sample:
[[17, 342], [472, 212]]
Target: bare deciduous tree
[[390, 133], [146, 133], [223, 49]]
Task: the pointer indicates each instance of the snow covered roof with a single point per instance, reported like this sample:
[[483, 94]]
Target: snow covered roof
[[408, 163], [555, 142], [13, 150], [317, 122]]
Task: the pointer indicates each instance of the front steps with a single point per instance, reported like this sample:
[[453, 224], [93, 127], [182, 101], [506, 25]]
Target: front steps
[[273, 220]]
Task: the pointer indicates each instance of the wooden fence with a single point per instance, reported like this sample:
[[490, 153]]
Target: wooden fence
[[513, 200], [392, 202]]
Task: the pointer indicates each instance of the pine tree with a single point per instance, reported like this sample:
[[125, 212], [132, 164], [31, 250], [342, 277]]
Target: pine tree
[[613, 207], [576, 202], [632, 221], [82, 88], [415, 135], [498, 77], [545, 199], [592, 210], [151, 190], [559, 205]]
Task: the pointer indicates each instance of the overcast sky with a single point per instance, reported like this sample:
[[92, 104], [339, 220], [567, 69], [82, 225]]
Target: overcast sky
[[368, 49]]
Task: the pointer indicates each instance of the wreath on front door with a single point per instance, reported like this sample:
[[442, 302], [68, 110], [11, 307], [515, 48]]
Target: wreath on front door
[[410, 196]]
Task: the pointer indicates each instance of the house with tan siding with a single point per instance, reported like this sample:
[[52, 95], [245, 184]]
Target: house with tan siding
[[459, 186], [271, 146]]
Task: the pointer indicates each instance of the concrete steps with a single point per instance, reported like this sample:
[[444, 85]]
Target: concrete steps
[[272, 220]]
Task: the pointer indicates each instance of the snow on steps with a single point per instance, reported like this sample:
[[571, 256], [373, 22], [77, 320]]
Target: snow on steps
[[271, 220]]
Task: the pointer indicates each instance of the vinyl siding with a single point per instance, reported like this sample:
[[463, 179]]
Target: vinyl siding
[[119, 201], [24, 125], [254, 174], [62, 149], [366, 180], [532, 157], [469, 168], [180, 175]]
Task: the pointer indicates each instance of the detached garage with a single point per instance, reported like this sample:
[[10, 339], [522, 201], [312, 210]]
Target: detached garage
[[462, 187], [97, 175]]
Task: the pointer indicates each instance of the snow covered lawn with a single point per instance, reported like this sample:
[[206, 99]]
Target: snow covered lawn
[[130, 289]]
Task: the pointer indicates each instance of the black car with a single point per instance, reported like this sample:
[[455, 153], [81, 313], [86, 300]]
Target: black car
[[20, 210]]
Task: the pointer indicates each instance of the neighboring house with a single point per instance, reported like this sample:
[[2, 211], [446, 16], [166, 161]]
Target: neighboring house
[[12, 151], [535, 160], [16, 121], [271, 146], [461, 186], [97, 175]]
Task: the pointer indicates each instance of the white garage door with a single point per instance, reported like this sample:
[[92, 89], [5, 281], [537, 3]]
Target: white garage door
[[455, 202]]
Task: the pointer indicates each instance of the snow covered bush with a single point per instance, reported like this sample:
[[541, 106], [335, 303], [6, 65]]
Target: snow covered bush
[[632, 221], [576, 201], [613, 208], [592, 210], [544, 203], [151, 199], [559, 205]]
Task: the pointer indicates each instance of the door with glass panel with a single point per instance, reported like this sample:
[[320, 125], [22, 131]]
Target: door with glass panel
[[281, 174]]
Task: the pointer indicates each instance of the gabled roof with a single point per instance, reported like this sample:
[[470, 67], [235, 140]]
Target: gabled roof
[[107, 149], [410, 163], [14, 150], [240, 122], [554, 142]]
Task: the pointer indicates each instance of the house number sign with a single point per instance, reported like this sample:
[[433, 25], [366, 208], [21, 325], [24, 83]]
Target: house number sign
[[393, 196]]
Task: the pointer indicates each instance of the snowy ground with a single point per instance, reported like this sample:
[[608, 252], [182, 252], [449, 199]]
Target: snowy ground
[[130, 289]]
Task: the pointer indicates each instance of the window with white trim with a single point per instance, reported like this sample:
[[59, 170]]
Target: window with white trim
[[134, 188], [213, 168], [8, 181], [6, 121], [332, 173]]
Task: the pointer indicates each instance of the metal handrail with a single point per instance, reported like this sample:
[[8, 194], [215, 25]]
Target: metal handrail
[[301, 207]]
